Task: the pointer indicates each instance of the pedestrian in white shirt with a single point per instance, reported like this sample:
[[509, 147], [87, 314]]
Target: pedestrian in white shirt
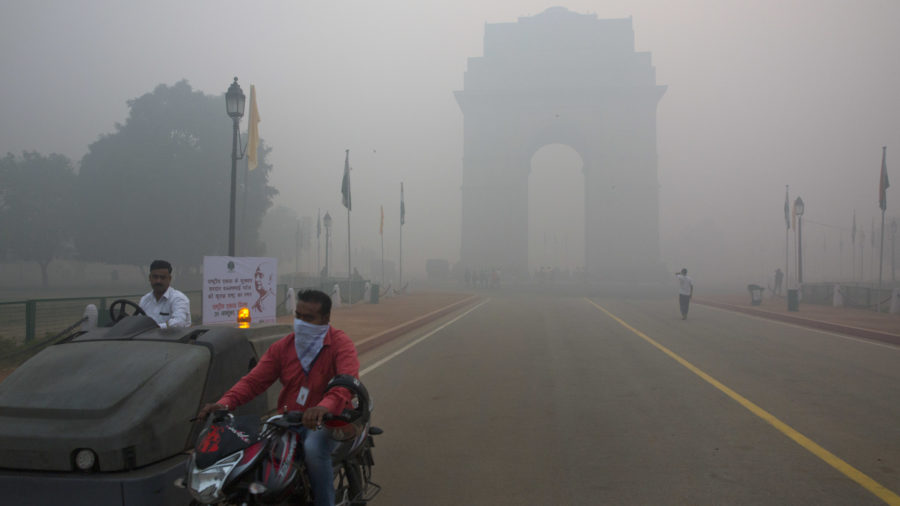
[[166, 305], [685, 292]]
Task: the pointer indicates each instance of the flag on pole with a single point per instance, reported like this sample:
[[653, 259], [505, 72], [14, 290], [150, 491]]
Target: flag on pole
[[402, 207], [252, 131], [787, 210], [883, 183], [345, 183], [381, 228], [318, 223]]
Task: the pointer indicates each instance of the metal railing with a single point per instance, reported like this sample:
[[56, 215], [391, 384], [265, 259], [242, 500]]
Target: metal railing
[[854, 296], [24, 321]]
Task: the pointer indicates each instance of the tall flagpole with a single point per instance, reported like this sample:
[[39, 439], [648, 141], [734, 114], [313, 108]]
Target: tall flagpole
[[787, 235], [297, 250], [880, 261], [402, 221], [348, 203], [381, 232], [882, 203], [853, 249], [349, 270], [318, 241]]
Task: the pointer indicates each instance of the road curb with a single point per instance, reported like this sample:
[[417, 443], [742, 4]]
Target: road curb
[[806, 322], [376, 340]]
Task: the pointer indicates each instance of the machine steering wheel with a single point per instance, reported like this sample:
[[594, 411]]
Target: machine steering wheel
[[117, 310]]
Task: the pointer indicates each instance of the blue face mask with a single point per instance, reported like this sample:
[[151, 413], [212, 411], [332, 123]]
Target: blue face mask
[[307, 331], [308, 339]]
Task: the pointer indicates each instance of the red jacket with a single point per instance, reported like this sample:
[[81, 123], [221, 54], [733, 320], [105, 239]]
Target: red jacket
[[338, 356]]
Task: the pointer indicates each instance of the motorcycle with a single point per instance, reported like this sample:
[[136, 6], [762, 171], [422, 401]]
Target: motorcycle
[[238, 461]]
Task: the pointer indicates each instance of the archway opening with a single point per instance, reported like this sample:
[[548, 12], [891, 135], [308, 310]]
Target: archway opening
[[556, 212]]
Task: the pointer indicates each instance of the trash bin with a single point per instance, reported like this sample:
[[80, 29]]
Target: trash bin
[[756, 294], [793, 300], [373, 296]]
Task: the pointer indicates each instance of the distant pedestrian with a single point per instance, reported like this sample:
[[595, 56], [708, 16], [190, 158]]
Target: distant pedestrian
[[685, 292], [779, 277]]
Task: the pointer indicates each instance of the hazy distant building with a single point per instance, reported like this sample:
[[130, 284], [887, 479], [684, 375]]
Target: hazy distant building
[[573, 79]]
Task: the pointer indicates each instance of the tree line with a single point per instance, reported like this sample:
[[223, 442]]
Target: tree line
[[156, 187]]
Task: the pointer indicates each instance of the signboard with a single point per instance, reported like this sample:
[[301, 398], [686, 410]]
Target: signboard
[[230, 283]]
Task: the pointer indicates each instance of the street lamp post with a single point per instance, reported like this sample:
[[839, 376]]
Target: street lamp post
[[234, 105], [327, 222], [798, 208]]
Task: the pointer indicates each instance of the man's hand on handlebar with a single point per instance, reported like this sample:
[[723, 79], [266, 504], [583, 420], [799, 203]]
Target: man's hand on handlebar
[[209, 408], [314, 416]]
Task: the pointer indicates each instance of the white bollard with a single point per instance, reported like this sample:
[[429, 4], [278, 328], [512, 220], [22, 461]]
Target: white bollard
[[367, 292], [336, 296], [837, 299], [895, 301], [91, 313], [290, 302]]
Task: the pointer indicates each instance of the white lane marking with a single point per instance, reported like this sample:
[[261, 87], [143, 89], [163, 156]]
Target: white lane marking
[[417, 341], [459, 303], [811, 329]]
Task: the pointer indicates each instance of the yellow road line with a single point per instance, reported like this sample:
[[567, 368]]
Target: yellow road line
[[811, 446]]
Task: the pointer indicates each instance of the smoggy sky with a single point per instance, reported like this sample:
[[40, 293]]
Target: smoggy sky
[[760, 95]]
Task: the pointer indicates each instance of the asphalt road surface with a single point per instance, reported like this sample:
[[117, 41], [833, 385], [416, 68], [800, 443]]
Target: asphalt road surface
[[530, 399]]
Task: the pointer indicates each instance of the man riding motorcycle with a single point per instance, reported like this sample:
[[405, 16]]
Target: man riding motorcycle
[[304, 361]]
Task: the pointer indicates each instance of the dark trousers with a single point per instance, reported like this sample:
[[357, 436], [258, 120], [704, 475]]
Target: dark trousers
[[684, 301]]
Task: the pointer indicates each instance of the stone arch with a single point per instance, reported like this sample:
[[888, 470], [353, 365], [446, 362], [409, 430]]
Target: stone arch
[[556, 210], [573, 79]]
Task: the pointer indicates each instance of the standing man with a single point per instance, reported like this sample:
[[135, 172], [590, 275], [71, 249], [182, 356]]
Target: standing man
[[304, 362], [166, 305], [685, 292]]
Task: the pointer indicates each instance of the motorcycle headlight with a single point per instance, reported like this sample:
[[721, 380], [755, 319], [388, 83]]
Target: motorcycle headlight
[[206, 484]]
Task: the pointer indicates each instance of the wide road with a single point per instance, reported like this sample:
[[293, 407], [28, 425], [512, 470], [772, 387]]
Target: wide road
[[531, 399]]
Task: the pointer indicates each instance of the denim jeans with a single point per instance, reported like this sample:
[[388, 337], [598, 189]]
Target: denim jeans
[[317, 448]]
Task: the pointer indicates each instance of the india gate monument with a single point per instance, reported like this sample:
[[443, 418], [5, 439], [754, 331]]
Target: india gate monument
[[562, 78]]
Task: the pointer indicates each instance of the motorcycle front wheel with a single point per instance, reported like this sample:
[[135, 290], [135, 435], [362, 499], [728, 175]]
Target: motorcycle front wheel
[[349, 486]]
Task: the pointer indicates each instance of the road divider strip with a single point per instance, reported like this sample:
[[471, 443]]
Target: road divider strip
[[811, 446], [417, 341]]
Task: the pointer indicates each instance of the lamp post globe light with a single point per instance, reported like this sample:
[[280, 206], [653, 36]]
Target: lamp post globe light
[[798, 208], [234, 106], [326, 220]]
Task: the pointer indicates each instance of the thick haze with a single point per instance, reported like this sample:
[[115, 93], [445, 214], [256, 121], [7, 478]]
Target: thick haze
[[760, 95]]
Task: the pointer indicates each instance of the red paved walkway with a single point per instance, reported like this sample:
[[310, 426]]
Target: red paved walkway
[[857, 322]]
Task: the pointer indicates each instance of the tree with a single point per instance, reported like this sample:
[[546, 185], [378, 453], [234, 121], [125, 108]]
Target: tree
[[35, 207], [159, 187]]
